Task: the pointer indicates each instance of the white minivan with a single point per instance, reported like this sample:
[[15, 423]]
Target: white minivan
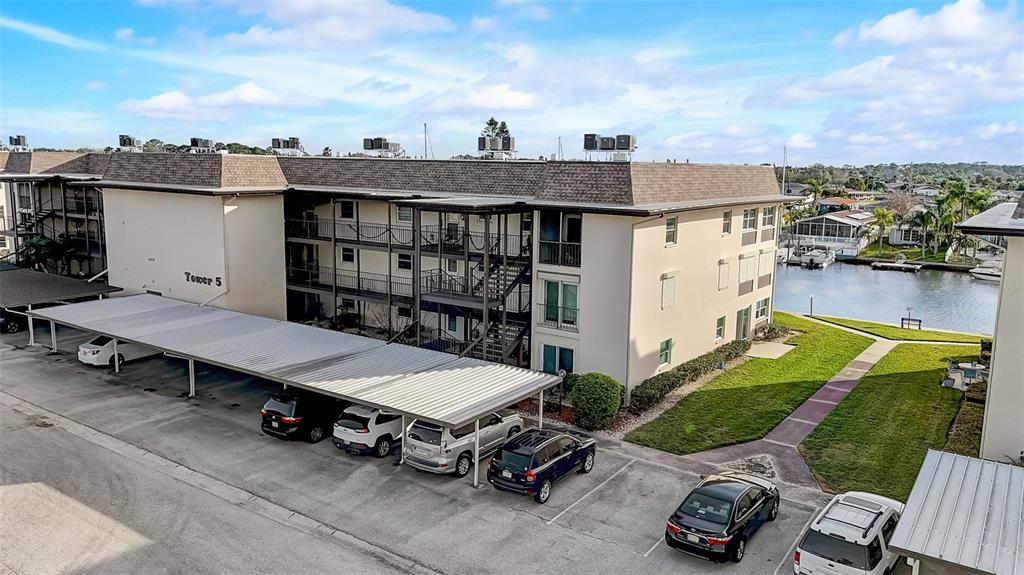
[[850, 537], [100, 351]]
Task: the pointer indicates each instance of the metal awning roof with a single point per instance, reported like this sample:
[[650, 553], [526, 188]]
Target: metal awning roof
[[965, 512], [422, 383], [22, 287]]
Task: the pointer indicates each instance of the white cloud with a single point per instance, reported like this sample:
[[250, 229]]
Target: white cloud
[[800, 140], [994, 129], [965, 21], [486, 97], [327, 24], [95, 85], [174, 104], [213, 106], [531, 9], [49, 35], [127, 35], [483, 23], [247, 94]]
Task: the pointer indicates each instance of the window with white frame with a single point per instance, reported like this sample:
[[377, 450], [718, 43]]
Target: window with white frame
[[761, 310], [750, 219], [347, 210], [348, 255], [726, 222], [404, 312], [348, 304], [723, 274], [720, 328], [557, 358], [768, 217], [3, 226], [668, 290], [404, 214], [453, 322], [748, 268], [404, 261], [665, 352], [452, 265], [671, 231]]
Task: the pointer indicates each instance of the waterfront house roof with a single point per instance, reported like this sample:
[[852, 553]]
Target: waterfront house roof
[[1006, 219], [621, 187], [838, 201]]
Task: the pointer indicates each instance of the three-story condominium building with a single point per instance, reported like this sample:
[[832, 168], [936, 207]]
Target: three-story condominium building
[[625, 268]]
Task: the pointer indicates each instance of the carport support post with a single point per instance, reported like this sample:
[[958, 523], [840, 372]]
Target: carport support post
[[476, 453], [31, 328], [540, 411], [117, 361], [401, 452], [53, 336], [191, 377]]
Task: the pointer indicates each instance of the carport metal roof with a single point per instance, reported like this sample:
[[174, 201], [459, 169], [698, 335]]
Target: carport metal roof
[[421, 383], [965, 512], [22, 287]]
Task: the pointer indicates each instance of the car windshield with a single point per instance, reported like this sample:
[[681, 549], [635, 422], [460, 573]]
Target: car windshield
[[100, 340], [512, 461], [836, 550], [425, 434], [353, 421], [706, 507], [282, 405]]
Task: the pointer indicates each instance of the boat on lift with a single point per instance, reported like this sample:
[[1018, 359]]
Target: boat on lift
[[988, 271]]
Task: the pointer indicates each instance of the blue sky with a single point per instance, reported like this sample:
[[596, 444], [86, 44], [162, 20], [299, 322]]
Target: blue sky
[[725, 81]]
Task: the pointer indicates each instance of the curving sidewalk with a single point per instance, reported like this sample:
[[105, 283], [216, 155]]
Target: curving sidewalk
[[780, 444]]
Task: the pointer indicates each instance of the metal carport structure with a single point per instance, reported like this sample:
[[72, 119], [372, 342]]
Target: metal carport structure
[[24, 288], [424, 384]]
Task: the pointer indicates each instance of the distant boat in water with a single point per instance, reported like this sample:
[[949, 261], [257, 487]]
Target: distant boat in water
[[988, 271]]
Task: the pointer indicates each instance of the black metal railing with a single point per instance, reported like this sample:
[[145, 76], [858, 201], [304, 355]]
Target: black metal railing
[[310, 276], [438, 281], [318, 228], [81, 206], [560, 253], [558, 317], [375, 284]]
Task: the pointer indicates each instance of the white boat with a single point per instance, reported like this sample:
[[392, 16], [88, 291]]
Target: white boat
[[817, 258], [988, 271]]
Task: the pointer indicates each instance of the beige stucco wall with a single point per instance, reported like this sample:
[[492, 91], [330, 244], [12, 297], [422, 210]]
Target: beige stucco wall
[[603, 295], [694, 259], [155, 238], [1003, 432]]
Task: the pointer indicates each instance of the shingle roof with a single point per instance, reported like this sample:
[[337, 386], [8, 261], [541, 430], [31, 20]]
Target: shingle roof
[[655, 183], [54, 162]]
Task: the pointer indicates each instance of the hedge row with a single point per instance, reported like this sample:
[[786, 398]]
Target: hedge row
[[652, 390]]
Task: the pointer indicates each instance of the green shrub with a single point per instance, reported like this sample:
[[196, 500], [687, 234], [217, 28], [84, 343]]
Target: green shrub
[[770, 331], [652, 390], [595, 400]]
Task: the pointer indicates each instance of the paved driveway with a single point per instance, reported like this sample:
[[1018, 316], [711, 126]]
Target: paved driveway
[[610, 521]]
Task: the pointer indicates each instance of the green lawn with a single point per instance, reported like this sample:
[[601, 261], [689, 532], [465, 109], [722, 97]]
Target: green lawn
[[912, 253], [893, 332], [877, 437], [746, 402]]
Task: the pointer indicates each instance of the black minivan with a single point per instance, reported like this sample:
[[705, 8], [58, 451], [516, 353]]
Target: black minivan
[[532, 461], [301, 415]]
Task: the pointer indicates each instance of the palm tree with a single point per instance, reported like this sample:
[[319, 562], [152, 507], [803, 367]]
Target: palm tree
[[818, 189], [883, 220], [923, 219]]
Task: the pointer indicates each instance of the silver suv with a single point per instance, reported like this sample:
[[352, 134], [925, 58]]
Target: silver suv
[[438, 449], [850, 537]]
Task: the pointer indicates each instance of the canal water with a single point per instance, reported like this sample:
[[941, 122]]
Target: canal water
[[940, 299]]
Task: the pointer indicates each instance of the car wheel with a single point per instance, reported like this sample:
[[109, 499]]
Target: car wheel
[[316, 433], [512, 431], [463, 465], [738, 551], [120, 360], [775, 510], [588, 463], [12, 327], [382, 448], [543, 493]]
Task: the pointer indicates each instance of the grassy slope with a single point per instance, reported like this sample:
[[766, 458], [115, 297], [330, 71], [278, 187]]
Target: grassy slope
[[912, 253], [893, 332], [876, 438], [746, 402]]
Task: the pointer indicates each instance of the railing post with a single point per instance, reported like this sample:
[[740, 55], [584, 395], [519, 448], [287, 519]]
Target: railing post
[[334, 257], [417, 240]]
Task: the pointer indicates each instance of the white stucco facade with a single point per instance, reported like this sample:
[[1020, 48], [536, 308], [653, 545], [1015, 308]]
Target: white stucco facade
[[225, 250]]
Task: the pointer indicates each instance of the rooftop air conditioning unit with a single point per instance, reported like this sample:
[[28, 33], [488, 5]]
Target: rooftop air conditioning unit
[[367, 143], [590, 141], [21, 141], [508, 144], [481, 143], [394, 147], [275, 143], [494, 143], [293, 143], [200, 143], [606, 143], [380, 143], [625, 142]]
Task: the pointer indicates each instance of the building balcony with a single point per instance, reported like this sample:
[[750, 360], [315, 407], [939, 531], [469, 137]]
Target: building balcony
[[560, 253], [558, 317], [81, 206], [349, 282]]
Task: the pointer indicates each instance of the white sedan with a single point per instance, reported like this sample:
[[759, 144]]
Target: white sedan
[[100, 351]]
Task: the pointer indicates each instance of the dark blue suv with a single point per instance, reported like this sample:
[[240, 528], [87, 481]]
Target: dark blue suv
[[534, 460]]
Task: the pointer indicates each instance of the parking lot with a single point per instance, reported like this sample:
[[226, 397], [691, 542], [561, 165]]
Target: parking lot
[[611, 520]]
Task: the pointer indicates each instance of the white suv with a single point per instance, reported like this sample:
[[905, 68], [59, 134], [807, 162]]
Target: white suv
[[363, 430], [850, 537]]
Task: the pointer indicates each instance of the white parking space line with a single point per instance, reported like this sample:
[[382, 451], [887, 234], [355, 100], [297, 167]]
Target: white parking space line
[[589, 493], [789, 553], [653, 547]]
